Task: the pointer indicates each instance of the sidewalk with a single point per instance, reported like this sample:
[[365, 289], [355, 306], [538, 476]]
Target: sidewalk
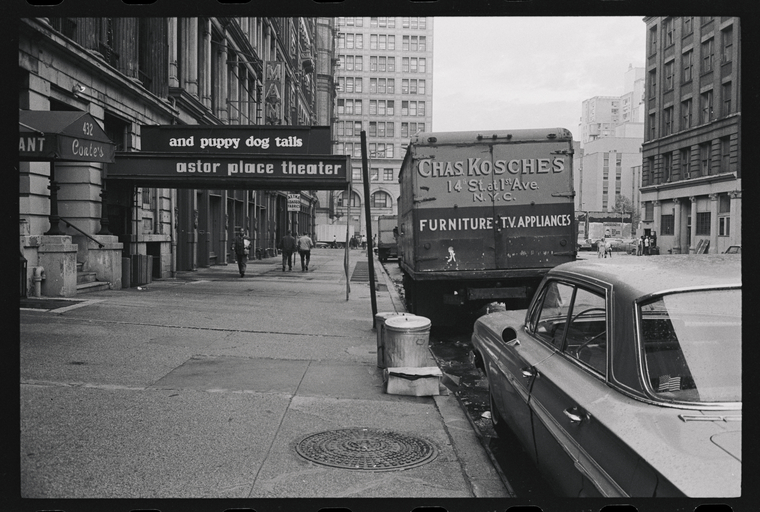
[[209, 385]]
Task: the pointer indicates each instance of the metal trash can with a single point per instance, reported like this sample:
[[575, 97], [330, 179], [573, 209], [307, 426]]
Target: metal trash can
[[380, 319], [405, 341]]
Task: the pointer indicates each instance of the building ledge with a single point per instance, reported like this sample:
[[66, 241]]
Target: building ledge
[[702, 180]]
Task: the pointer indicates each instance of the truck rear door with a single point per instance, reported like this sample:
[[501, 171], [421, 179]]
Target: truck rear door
[[531, 192]]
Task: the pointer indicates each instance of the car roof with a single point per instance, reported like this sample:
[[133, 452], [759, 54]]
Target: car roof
[[644, 275]]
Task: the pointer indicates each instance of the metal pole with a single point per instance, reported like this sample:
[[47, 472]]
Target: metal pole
[[368, 221]]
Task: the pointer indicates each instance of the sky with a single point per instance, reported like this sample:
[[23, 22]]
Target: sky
[[528, 72]]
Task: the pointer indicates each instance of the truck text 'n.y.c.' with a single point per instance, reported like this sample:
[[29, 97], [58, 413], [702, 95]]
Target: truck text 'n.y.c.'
[[482, 217]]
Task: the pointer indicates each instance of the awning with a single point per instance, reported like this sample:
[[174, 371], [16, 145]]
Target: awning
[[72, 136]]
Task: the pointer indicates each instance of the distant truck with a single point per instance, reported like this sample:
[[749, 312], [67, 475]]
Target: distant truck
[[326, 233], [482, 217], [386, 237]]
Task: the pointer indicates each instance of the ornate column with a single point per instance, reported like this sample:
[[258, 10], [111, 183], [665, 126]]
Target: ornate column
[[656, 226], [677, 226], [713, 249], [692, 244], [190, 55]]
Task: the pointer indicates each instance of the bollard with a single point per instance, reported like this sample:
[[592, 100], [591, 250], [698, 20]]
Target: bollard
[[405, 341], [38, 275]]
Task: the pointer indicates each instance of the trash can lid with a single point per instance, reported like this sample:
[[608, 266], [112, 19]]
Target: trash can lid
[[408, 322]]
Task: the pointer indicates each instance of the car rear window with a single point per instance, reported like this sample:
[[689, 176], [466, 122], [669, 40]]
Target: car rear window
[[691, 343]]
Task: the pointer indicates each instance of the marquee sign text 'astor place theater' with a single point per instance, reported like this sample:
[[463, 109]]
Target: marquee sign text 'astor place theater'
[[271, 158]]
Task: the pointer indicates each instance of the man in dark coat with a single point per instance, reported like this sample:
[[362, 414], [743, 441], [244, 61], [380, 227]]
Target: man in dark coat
[[288, 247], [241, 247]]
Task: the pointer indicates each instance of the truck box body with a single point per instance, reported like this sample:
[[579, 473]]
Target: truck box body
[[386, 237], [326, 233], [484, 215]]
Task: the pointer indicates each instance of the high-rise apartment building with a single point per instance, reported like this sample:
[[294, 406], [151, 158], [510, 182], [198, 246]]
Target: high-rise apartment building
[[691, 170], [384, 88], [608, 162]]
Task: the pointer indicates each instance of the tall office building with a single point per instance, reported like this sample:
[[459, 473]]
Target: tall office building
[[384, 88], [691, 173]]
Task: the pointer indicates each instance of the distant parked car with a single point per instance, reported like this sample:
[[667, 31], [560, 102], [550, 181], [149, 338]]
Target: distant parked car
[[734, 249], [624, 376]]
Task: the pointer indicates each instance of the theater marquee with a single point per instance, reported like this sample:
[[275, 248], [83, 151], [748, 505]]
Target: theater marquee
[[253, 157]]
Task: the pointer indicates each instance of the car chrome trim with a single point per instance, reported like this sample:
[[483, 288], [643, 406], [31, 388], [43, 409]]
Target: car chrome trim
[[691, 417]]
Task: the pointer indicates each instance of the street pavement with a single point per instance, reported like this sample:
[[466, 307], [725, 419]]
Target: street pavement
[[202, 386]]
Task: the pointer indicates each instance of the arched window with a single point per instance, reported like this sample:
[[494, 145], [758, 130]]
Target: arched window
[[355, 200], [381, 199]]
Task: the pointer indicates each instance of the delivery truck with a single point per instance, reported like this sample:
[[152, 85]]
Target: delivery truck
[[386, 237], [326, 234], [482, 217]]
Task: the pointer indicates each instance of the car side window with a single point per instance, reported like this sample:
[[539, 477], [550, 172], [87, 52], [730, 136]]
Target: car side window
[[552, 314], [587, 330]]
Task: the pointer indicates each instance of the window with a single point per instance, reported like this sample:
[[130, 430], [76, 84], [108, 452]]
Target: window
[[686, 114], [667, 121], [704, 158], [359, 41], [652, 40], [649, 211], [688, 25], [708, 56], [725, 90], [374, 174], [670, 68], [727, 45], [703, 223], [668, 31], [381, 200], [685, 163], [574, 321], [552, 313], [356, 174], [373, 42], [706, 107], [652, 127], [652, 83], [692, 345], [725, 154], [667, 167], [724, 226], [387, 174], [687, 64], [666, 225], [724, 211]]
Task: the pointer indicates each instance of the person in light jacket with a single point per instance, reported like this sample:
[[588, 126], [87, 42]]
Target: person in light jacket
[[304, 250]]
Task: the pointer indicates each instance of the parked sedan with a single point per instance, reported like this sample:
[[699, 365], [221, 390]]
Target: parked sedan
[[623, 378]]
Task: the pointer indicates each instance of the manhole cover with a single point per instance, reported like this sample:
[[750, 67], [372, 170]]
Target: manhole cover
[[366, 449]]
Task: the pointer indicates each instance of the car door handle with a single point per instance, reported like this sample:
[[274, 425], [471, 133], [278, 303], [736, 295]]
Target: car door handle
[[528, 372], [575, 415]]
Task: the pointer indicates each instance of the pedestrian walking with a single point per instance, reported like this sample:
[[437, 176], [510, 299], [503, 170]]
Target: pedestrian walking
[[288, 247], [304, 250], [364, 241], [646, 245], [640, 246], [335, 242], [241, 247], [600, 248], [607, 248]]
